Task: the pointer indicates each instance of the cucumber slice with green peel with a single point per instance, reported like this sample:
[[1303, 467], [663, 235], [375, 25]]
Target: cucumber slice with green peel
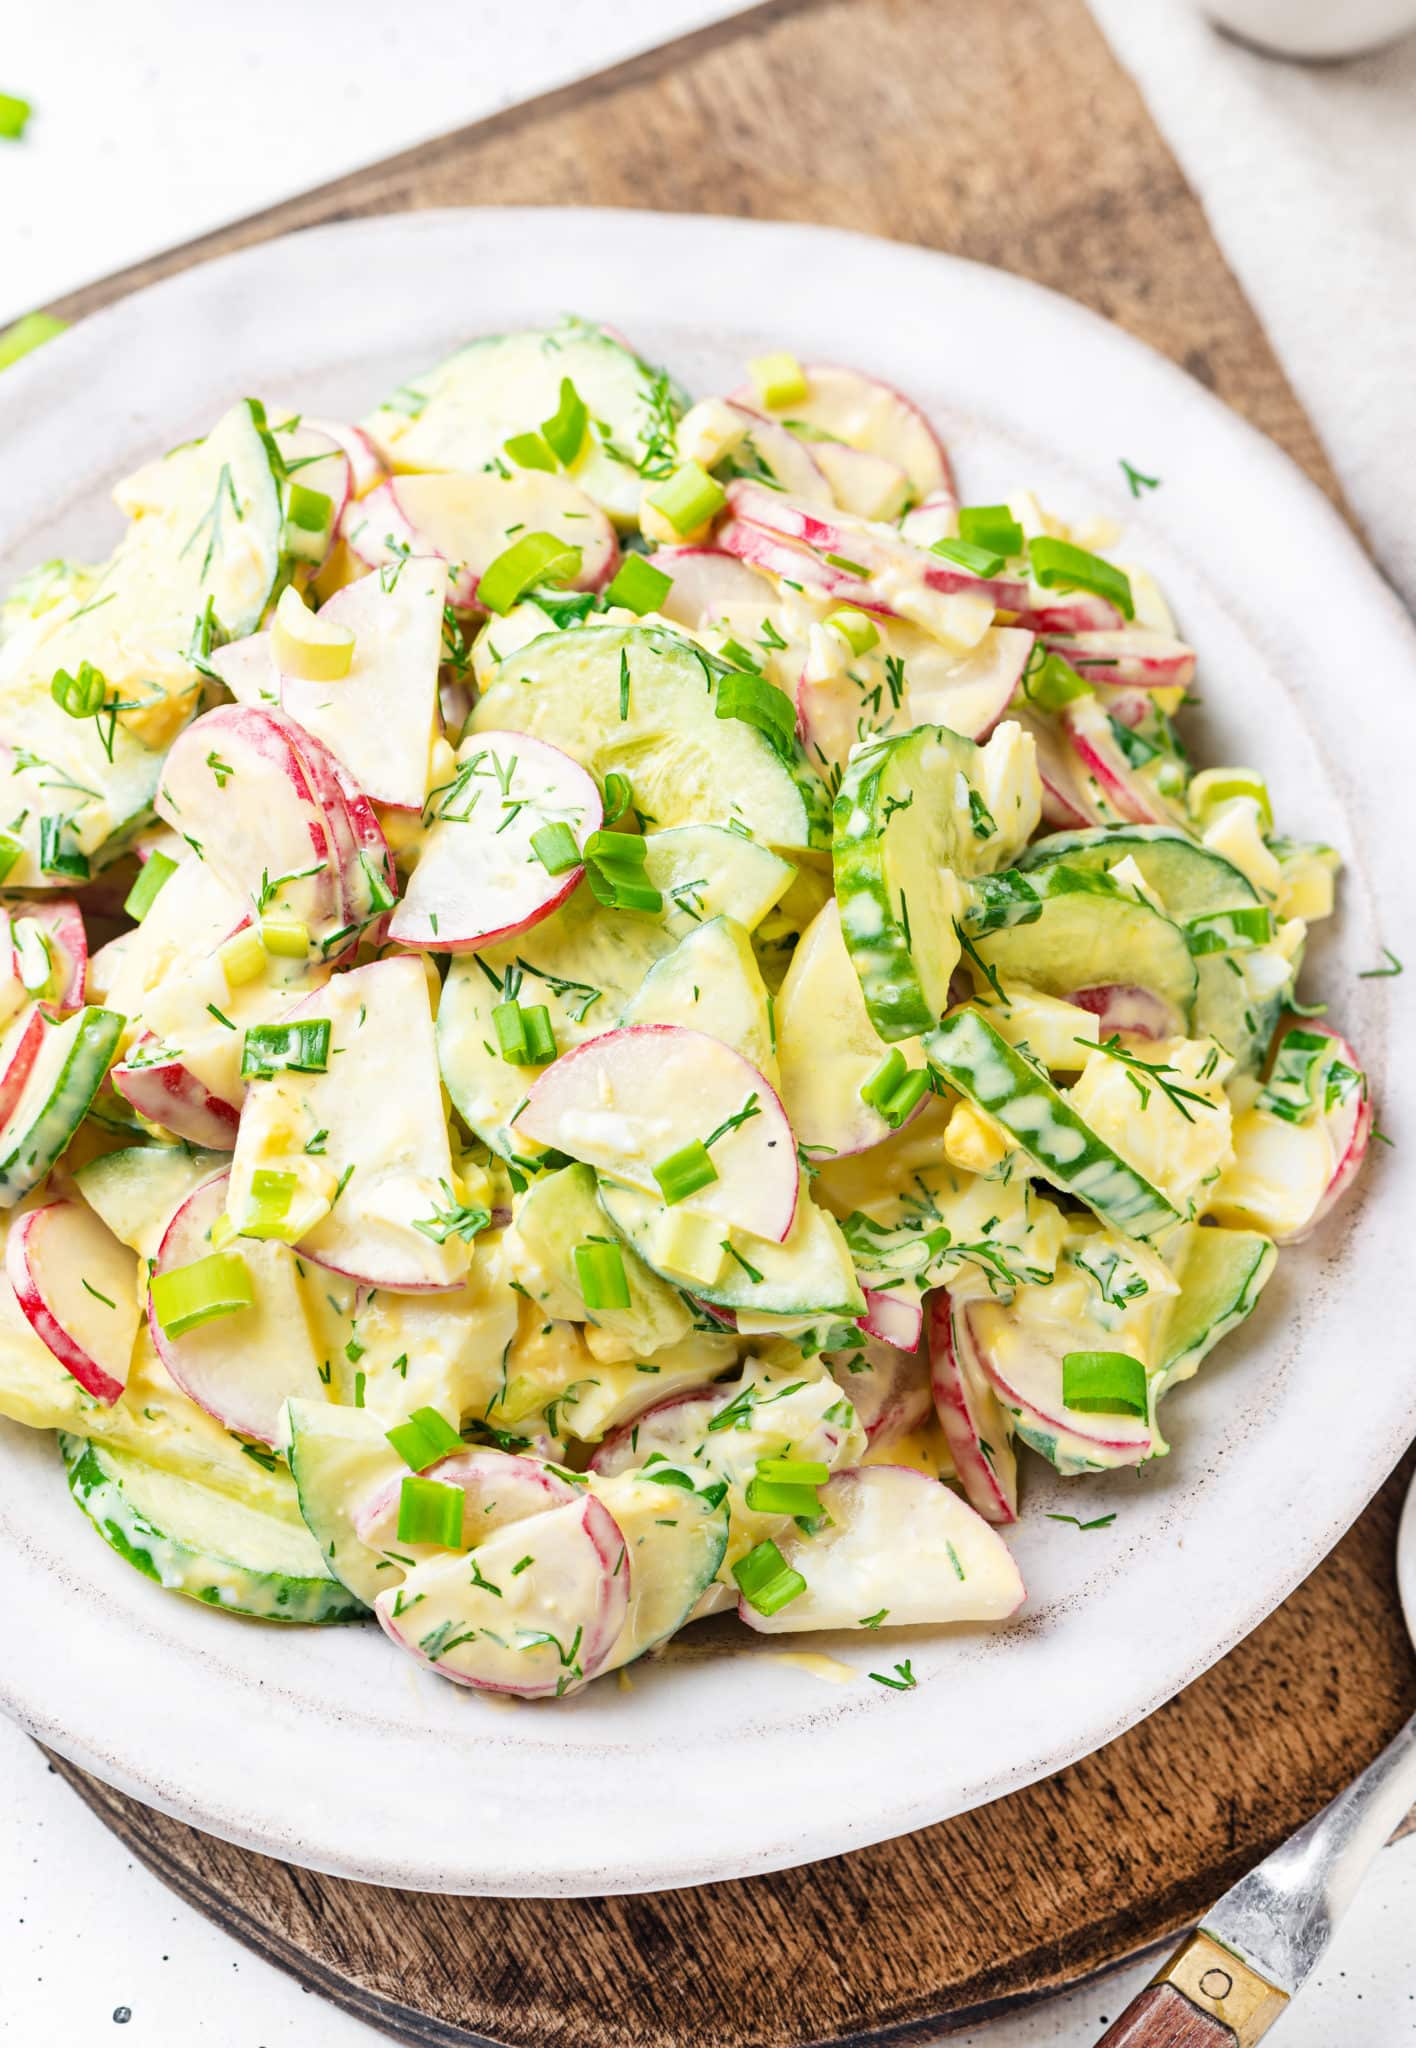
[[62, 1083], [674, 1520], [340, 1458], [642, 703], [913, 817], [194, 1540], [809, 1274], [1092, 933], [558, 1212], [1222, 1274], [711, 982], [1188, 878], [138, 1189], [460, 414], [1063, 1149]]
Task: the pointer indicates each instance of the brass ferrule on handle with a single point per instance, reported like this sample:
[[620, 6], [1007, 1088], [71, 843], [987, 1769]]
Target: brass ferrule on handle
[[1229, 1989]]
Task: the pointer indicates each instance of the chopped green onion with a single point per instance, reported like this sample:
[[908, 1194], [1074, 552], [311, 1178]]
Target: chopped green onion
[[882, 1082], [684, 1172], [529, 451], [10, 851], [242, 956], [794, 1471], [1292, 1088], [301, 1048], [689, 499], [1104, 1383], [619, 796], [1215, 786], [904, 1100], [857, 629], [540, 1037], [157, 869], [771, 1497], [778, 380], [978, 561], [765, 1579], [29, 332], [620, 887], [14, 116], [1230, 931], [429, 1512], [510, 1027], [638, 586], [271, 1196], [424, 1438], [1053, 683], [188, 1296], [554, 846], [565, 429], [1058, 564], [991, 526], [285, 938], [54, 858], [600, 1270], [309, 521], [534, 558], [306, 646], [761, 704], [626, 847], [83, 695]]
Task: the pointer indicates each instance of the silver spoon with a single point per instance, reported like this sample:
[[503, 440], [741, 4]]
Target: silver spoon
[[1256, 1947]]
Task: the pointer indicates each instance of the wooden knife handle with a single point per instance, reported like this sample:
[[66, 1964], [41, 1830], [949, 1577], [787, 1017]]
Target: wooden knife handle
[[1163, 2017], [1204, 1997]]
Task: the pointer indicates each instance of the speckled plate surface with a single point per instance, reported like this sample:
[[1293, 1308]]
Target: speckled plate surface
[[326, 1748]]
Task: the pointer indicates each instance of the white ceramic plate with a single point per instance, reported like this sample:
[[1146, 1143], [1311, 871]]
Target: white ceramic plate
[[323, 1746]]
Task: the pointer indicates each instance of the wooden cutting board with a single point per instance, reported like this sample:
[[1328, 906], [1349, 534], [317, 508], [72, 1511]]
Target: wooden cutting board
[[1005, 131]]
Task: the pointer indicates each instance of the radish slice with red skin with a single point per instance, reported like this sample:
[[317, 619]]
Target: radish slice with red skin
[[1066, 802], [19, 1049], [975, 1427], [499, 1488], [366, 465], [895, 1319], [78, 1289], [933, 519], [1130, 1010], [1349, 1125], [62, 923], [1133, 658], [867, 413], [170, 1095], [887, 1386], [1067, 611], [538, 1632], [791, 461], [478, 878], [709, 584], [247, 668], [665, 1428], [969, 693], [899, 1541], [1026, 1374], [628, 1100], [869, 485], [469, 520], [931, 610], [972, 693], [1094, 745], [240, 1367], [361, 850]]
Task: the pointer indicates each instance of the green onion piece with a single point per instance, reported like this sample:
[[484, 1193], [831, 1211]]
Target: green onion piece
[[877, 1089], [1215, 786], [54, 858], [770, 1497], [510, 1027], [689, 499], [622, 887], [83, 695], [1053, 683], [1230, 931], [14, 116], [429, 1512], [758, 703], [271, 1196], [554, 846], [381, 896], [765, 1579], [978, 561], [565, 429], [529, 451], [778, 380], [1059, 565], [638, 586], [540, 1038], [1292, 1088], [684, 1172], [190, 1295], [534, 558], [301, 1048], [29, 332], [309, 521], [794, 1471], [993, 527], [424, 1438], [10, 851], [857, 629], [156, 870], [1104, 1383], [600, 1270], [902, 1101], [625, 847], [285, 938], [619, 796]]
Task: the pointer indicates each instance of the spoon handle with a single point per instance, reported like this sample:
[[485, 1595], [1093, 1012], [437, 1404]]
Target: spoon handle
[[1163, 2017]]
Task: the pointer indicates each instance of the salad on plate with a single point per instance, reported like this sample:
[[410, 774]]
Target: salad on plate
[[610, 1007]]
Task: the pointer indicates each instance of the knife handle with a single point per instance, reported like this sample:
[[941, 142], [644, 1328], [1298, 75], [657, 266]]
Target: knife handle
[[1205, 1997]]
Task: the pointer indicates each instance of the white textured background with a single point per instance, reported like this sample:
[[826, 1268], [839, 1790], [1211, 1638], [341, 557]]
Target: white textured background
[[157, 120]]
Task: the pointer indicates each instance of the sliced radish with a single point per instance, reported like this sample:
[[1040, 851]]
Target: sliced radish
[[888, 1387], [795, 465], [869, 485], [1067, 801], [894, 1318], [62, 922], [1094, 744], [479, 878], [709, 585], [974, 1425], [13, 993], [959, 620], [866, 413], [1286, 1177], [78, 1288], [1066, 611], [665, 1429], [1132, 657], [1125, 1008], [19, 1049], [380, 720], [629, 1100], [897, 1541], [1021, 1357], [933, 519], [971, 692], [469, 520], [363, 862], [241, 1367], [170, 1095], [247, 668], [491, 1620], [366, 465], [1349, 1125], [498, 1487]]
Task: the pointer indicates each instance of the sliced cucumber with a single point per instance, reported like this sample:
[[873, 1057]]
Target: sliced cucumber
[[1222, 1274], [558, 1212], [339, 1459], [62, 1083], [1188, 878], [640, 702], [193, 1540], [1093, 934], [460, 414], [138, 1189], [711, 982], [674, 1520], [1002, 1082], [810, 1274]]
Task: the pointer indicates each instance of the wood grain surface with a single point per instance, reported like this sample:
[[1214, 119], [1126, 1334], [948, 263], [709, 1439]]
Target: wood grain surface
[[1007, 133], [1161, 2018]]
